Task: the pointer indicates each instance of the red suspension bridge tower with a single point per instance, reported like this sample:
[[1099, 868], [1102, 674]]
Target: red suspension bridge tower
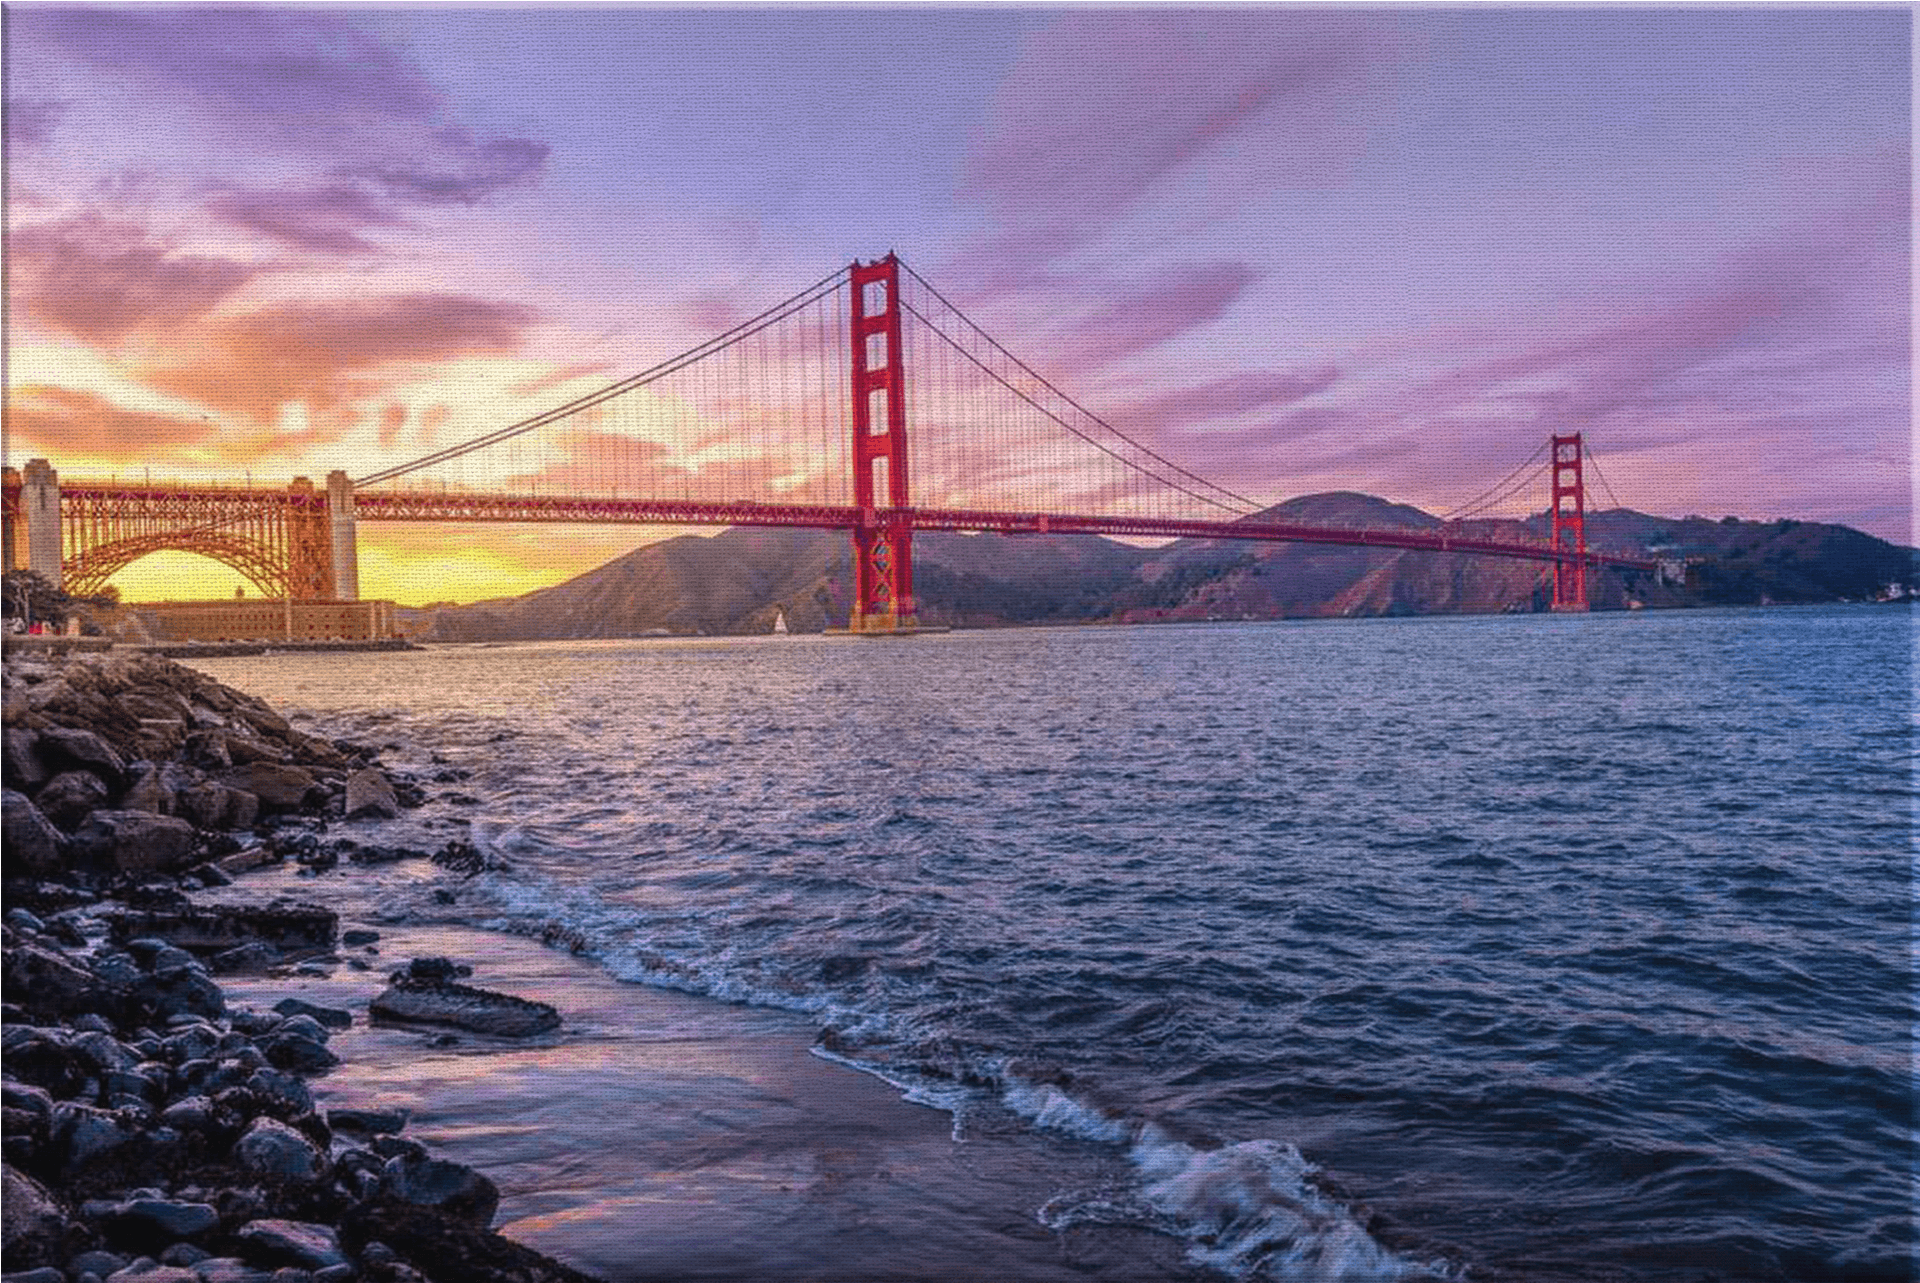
[[1569, 524], [883, 539]]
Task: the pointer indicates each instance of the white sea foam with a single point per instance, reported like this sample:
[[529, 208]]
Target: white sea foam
[[1047, 1106], [1249, 1210]]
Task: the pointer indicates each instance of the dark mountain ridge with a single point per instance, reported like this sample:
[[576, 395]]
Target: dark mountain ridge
[[739, 580]]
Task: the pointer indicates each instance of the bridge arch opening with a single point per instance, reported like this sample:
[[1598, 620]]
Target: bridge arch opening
[[171, 573]]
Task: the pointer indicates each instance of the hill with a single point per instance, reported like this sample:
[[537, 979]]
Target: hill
[[737, 581]]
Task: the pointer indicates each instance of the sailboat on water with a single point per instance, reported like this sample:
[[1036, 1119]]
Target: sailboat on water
[[779, 622]]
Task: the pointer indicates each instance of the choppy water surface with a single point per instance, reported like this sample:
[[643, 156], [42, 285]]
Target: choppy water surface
[[1562, 948]]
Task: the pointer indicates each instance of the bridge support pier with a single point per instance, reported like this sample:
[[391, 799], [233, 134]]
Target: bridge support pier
[[346, 552], [309, 544], [37, 523]]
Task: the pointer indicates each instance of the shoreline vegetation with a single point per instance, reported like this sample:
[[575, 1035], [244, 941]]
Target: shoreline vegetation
[[153, 1130]]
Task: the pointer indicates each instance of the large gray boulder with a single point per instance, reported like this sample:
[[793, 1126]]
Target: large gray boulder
[[279, 788], [23, 768], [71, 796], [32, 1224], [29, 843], [135, 842], [447, 1187], [67, 747]]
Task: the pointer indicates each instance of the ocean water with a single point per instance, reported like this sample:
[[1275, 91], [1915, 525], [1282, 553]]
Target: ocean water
[[1517, 948]]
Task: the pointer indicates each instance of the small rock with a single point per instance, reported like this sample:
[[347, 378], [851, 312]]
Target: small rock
[[463, 1007], [186, 1254], [166, 1219], [247, 957], [448, 1187], [273, 1149], [331, 1017], [289, 1092], [298, 1243], [24, 920], [147, 1271], [358, 936], [370, 794], [32, 1100], [189, 1114], [227, 1269], [433, 969], [97, 1263], [371, 1122], [103, 1051], [83, 1134]]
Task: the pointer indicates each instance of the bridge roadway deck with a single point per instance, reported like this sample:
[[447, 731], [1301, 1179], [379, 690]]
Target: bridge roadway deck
[[376, 504]]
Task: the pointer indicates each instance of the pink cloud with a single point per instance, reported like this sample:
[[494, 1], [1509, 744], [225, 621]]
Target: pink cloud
[[101, 279], [1104, 106], [327, 355], [326, 219], [1234, 394], [333, 96], [287, 65], [61, 422], [1177, 301], [392, 419], [30, 121], [560, 378], [456, 169]]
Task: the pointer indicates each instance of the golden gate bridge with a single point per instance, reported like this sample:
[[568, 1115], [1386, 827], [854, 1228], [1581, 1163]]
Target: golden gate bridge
[[798, 416]]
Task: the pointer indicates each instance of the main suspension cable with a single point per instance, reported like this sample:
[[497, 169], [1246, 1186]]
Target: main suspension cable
[[820, 289], [1251, 504], [1480, 501]]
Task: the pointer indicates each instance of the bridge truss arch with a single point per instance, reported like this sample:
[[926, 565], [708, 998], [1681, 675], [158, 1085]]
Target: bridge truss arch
[[87, 573], [294, 542]]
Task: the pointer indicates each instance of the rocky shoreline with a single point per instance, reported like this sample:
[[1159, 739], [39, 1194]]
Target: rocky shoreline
[[152, 1132]]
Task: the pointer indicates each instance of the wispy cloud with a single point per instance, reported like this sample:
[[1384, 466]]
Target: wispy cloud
[[328, 219], [30, 121], [1104, 106], [71, 425], [1179, 299], [100, 278], [458, 169], [1227, 397], [361, 132], [278, 64], [325, 356]]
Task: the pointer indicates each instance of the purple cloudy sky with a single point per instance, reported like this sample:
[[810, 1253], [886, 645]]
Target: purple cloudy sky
[[1384, 250]]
